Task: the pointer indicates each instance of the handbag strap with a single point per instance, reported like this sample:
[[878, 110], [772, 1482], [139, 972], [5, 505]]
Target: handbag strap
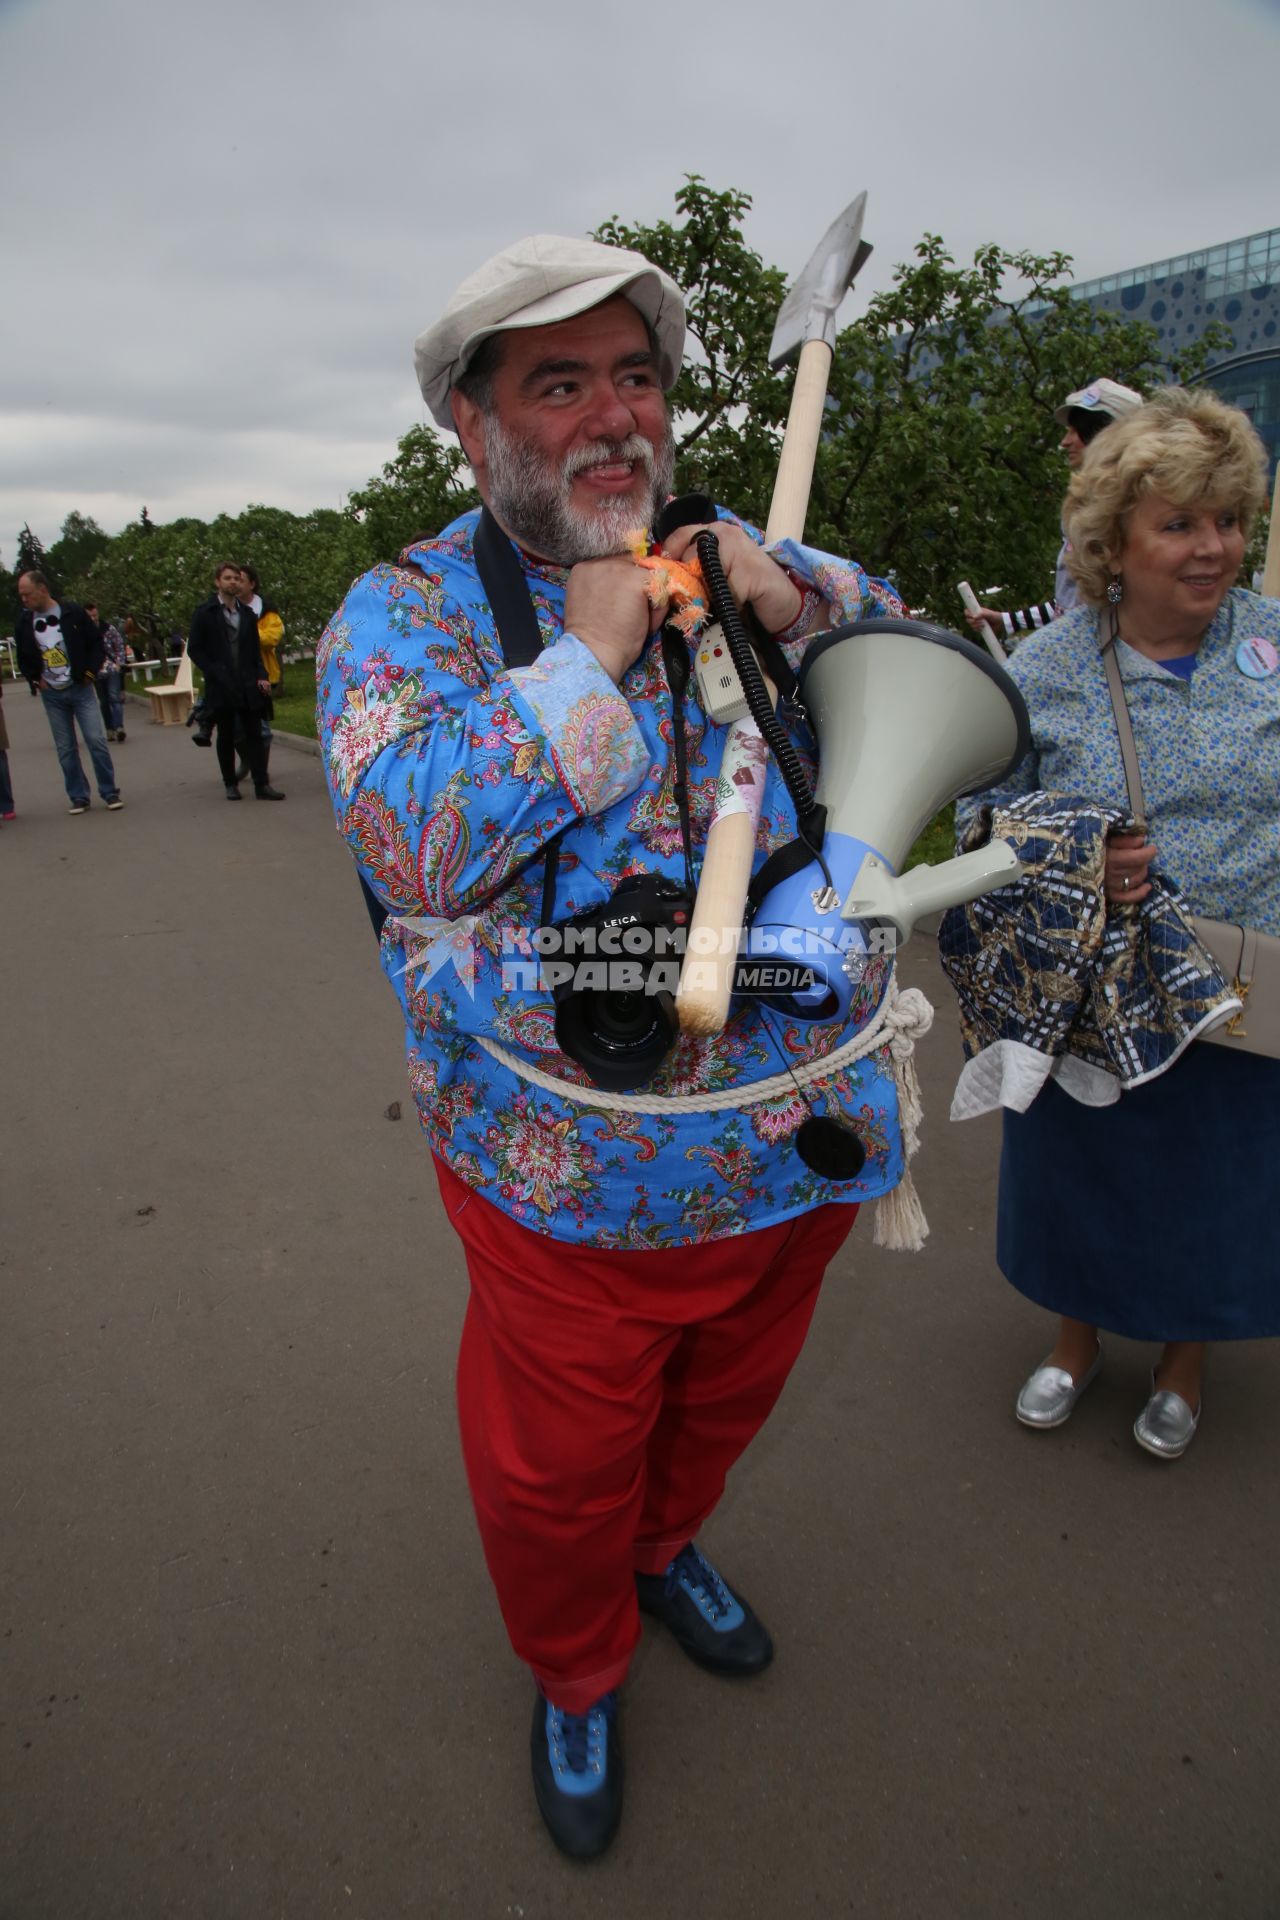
[[1124, 727], [1246, 965]]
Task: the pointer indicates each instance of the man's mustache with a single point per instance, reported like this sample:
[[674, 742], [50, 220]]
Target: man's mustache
[[635, 449]]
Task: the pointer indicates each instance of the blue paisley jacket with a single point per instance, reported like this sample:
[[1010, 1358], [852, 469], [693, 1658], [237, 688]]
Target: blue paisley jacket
[[448, 776]]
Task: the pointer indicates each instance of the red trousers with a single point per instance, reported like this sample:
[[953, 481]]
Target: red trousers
[[603, 1398]]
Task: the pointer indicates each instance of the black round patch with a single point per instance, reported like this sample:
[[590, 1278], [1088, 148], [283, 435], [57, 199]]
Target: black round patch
[[830, 1147]]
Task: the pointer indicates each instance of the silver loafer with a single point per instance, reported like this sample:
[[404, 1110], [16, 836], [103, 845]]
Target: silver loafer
[[1049, 1396], [1166, 1426]]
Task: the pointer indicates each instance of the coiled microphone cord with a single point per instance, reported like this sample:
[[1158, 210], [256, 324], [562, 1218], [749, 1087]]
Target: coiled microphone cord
[[725, 609]]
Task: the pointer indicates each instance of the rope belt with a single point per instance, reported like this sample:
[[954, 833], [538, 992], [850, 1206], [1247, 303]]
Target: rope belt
[[902, 1018]]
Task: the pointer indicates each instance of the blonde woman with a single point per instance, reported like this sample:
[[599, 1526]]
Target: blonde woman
[[1153, 1218]]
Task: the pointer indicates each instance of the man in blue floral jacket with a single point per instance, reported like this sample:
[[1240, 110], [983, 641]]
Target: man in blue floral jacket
[[609, 1377]]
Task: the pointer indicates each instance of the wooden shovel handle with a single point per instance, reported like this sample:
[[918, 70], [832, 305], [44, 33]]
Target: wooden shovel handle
[[706, 980], [791, 489]]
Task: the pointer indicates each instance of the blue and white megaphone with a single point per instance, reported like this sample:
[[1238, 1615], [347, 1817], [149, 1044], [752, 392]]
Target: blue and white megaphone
[[908, 717]]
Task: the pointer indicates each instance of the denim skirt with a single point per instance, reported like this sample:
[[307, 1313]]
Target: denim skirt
[[1156, 1218]]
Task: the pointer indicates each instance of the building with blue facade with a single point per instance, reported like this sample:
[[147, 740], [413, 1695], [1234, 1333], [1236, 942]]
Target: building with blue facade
[[1237, 284]]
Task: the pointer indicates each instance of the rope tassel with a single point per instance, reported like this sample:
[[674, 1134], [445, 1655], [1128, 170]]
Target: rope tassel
[[900, 1223]]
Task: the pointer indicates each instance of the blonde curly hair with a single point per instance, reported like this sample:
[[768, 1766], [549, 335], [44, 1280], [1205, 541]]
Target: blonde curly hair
[[1185, 445]]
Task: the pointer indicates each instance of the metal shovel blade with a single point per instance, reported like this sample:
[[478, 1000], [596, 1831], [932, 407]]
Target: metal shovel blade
[[809, 310]]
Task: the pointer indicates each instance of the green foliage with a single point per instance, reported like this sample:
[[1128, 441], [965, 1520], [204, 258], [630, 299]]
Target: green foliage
[[945, 463], [157, 575], [30, 552], [1255, 554], [416, 494], [76, 548], [728, 405], [939, 461]]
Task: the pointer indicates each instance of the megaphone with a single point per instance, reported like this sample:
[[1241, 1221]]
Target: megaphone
[[908, 716]]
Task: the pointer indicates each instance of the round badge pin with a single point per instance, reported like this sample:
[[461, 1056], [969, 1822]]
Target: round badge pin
[[1257, 657]]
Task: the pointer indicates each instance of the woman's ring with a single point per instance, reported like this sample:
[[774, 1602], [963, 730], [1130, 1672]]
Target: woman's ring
[[1125, 883]]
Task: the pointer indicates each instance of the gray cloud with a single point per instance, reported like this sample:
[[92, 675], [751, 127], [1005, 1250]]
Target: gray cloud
[[228, 234]]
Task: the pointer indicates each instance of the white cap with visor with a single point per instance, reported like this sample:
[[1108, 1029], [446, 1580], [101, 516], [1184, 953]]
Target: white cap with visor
[[1100, 396]]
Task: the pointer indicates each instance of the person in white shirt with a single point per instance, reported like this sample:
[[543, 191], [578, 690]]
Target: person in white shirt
[[60, 654]]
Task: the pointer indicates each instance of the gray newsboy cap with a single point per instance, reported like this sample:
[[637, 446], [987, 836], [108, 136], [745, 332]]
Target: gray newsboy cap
[[540, 280]]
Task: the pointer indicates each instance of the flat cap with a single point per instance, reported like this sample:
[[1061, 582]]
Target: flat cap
[[534, 283]]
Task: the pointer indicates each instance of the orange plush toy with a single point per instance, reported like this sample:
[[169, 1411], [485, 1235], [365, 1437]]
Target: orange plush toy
[[679, 582]]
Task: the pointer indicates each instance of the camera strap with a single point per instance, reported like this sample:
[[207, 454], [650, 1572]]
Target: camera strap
[[507, 591], [515, 623], [520, 638]]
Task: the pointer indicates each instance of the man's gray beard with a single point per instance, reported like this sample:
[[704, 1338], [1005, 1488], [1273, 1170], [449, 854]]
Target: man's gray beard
[[534, 501]]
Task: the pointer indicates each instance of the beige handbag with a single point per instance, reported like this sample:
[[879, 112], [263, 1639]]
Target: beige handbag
[[1248, 961]]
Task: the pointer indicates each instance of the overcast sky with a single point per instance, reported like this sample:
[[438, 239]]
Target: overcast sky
[[223, 226]]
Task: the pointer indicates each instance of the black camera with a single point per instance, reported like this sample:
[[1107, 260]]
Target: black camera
[[613, 973]]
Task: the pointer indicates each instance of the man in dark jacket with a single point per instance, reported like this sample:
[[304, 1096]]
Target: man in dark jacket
[[224, 645], [60, 653]]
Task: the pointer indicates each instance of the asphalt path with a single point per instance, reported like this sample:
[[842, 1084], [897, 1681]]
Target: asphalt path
[[250, 1663]]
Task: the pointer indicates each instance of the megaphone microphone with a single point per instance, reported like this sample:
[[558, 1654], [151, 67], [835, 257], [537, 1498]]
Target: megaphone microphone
[[688, 510]]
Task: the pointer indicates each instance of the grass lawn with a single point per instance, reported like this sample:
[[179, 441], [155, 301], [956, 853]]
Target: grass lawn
[[295, 708], [936, 843]]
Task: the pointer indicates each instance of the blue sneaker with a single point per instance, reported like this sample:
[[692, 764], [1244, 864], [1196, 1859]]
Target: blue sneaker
[[713, 1625], [577, 1774]]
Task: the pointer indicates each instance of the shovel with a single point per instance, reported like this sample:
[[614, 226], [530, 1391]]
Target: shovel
[[806, 325]]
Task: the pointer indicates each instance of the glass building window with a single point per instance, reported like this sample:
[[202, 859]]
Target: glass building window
[[1232, 267]]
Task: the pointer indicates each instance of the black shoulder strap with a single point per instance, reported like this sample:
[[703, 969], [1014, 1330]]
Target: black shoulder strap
[[775, 660], [519, 636], [502, 578]]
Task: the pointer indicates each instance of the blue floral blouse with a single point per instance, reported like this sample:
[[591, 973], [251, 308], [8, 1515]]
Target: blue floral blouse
[[1208, 749]]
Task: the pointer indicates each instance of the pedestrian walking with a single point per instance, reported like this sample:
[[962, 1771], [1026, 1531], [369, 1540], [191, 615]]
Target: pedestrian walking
[[111, 675], [224, 645], [60, 655]]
